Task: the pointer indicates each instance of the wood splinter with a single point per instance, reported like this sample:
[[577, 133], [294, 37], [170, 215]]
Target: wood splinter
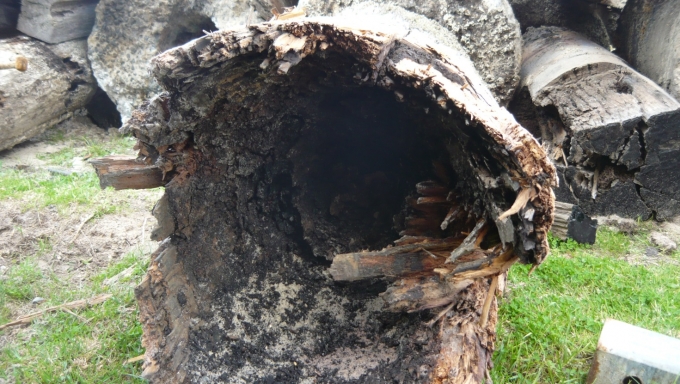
[[520, 202], [487, 302], [393, 261], [471, 242]]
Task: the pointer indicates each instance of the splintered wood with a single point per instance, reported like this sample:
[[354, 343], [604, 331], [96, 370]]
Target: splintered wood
[[124, 172], [434, 261]]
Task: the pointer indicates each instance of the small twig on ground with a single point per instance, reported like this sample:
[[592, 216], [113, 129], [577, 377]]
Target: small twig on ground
[[80, 227], [134, 359], [141, 240], [136, 377], [127, 272], [27, 319], [84, 320]]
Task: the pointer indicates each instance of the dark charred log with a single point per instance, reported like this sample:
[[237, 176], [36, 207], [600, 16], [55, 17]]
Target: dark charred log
[[286, 144], [611, 132]]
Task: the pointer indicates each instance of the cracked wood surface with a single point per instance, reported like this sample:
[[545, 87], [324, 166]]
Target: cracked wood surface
[[612, 132]]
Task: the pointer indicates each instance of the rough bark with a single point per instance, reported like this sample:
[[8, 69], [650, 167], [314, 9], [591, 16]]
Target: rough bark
[[56, 21], [486, 30], [611, 132], [286, 144], [57, 83], [651, 41]]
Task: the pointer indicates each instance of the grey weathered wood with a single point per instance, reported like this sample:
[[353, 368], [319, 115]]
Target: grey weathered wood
[[56, 21], [651, 41], [487, 30], [616, 128], [596, 19], [643, 356], [57, 82]]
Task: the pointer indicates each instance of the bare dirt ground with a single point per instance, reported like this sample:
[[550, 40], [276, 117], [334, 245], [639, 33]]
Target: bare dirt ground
[[71, 244]]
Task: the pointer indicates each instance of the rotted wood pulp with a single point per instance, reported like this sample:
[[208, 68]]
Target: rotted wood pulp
[[288, 143]]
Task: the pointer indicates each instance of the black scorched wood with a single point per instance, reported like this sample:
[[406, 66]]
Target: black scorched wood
[[307, 140], [612, 133]]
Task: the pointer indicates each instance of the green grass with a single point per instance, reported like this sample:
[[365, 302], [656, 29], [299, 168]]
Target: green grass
[[92, 345], [41, 189], [550, 322], [60, 347], [85, 147]]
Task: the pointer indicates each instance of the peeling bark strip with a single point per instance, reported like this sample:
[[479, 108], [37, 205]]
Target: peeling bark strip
[[286, 144], [613, 134]]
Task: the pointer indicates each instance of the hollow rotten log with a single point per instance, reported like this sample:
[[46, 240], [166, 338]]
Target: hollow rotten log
[[290, 147], [612, 133]]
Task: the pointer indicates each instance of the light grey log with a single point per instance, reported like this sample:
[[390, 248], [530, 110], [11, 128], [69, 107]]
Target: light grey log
[[618, 129], [629, 354], [123, 40], [56, 21], [57, 83], [651, 40]]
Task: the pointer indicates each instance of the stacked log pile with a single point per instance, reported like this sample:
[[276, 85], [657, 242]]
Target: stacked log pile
[[612, 133]]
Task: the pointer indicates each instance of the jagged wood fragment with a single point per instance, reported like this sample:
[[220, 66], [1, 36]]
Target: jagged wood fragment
[[393, 261], [124, 172], [471, 242], [420, 293], [521, 201]]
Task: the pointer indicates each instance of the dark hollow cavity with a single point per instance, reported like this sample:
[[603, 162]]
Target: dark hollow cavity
[[102, 110]]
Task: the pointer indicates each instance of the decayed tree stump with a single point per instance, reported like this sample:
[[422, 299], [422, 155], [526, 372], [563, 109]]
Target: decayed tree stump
[[285, 144], [612, 133]]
